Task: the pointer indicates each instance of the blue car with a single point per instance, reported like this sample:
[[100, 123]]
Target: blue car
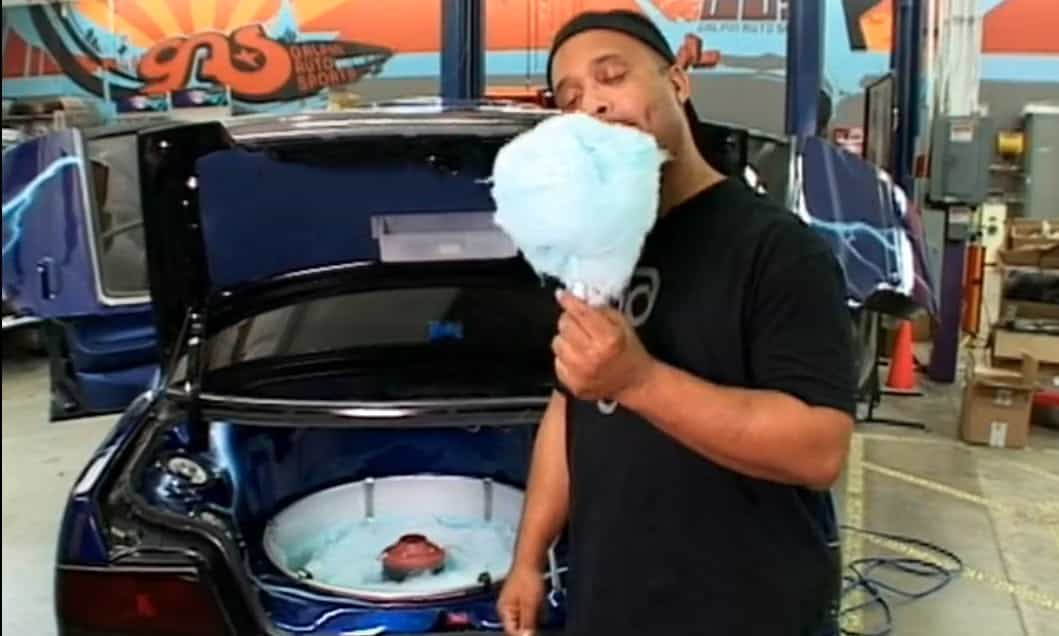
[[338, 362], [74, 262], [353, 361]]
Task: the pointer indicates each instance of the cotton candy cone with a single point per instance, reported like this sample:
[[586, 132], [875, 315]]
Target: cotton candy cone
[[902, 377]]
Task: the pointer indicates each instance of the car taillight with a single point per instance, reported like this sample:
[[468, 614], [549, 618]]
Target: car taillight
[[133, 603]]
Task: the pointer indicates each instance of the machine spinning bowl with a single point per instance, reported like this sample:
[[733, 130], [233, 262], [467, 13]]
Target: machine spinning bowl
[[405, 539]]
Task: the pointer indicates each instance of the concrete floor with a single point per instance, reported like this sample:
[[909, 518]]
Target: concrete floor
[[997, 509]]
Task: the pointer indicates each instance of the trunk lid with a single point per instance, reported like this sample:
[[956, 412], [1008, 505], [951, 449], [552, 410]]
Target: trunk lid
[[235, 209]]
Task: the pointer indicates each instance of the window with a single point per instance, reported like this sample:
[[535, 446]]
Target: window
[[442, 341], [118, 217]]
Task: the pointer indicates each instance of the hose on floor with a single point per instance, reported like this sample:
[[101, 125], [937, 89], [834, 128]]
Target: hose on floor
[[862, 578]]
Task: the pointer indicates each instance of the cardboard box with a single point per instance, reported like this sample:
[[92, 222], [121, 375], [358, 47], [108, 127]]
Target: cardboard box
[[1047, 374], [1036, 256], [1027, 310], [997, 405], [1032, 233], [1013, 345]]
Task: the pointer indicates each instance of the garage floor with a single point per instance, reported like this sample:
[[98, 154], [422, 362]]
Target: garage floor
[[998, 510]]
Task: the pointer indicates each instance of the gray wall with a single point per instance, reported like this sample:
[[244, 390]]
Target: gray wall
[[753, 103], [756, 103]]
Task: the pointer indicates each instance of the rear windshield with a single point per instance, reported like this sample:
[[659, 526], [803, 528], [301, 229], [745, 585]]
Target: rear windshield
[[445, 341]]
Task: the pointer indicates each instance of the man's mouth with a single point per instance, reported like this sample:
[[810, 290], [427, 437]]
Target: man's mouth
[[630, 124]]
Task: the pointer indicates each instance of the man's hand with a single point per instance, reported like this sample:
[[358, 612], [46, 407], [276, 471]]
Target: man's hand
[[598, 355], [520, 601]]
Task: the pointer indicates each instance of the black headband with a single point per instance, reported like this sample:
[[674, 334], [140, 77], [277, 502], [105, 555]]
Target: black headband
[[630, 23]]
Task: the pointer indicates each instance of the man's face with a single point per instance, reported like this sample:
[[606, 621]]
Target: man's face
[[616, 78]]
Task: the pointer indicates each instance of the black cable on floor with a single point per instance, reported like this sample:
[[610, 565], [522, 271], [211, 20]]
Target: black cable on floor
[[860, 577]]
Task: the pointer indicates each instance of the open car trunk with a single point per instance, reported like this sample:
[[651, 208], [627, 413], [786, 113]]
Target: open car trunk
[[366, 374], [420, 404]]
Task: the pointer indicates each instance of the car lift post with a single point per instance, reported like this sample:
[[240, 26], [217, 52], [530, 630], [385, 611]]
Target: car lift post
[[805, 62], [462, 49], [905, 60]]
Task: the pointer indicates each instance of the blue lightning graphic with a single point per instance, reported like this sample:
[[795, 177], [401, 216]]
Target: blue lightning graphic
[[849, 231], [16, 208]]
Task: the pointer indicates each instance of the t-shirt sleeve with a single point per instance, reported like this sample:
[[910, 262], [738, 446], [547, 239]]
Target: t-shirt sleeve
[[800, 329]]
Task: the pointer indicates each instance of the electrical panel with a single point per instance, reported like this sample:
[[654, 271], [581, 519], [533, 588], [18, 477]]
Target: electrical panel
[[1041, 162], [961, 152]]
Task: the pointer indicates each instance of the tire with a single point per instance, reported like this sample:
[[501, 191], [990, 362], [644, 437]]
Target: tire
[[25, 340], [65, 402]]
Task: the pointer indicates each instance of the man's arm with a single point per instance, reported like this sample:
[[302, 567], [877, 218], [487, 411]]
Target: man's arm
[[547, 492], [765, 434], [791, 426]]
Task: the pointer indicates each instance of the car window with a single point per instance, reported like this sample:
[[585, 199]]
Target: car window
[[492, 333], [117, 217]]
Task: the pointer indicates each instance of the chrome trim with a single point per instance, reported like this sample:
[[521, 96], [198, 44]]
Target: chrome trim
[[794, 179], [387, 128], [374, 407], [456, 412], [14, 322]]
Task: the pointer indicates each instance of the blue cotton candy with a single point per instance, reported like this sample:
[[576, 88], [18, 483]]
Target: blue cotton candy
[[578, 197]]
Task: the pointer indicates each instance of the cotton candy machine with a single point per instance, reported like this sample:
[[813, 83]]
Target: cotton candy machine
[[417, 538]]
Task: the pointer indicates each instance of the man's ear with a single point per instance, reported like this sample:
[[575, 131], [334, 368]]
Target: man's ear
[[681, 83]]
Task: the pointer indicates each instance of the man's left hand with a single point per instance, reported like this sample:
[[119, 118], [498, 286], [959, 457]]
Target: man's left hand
[[598, 355]]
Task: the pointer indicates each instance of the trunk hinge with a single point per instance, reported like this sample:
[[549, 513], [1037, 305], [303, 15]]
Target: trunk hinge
[[189, 347]]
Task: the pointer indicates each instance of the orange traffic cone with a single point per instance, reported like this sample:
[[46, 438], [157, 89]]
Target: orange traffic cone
[[902, 377]]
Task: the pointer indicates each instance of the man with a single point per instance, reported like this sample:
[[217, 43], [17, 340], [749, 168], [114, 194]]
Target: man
[[698, 504]]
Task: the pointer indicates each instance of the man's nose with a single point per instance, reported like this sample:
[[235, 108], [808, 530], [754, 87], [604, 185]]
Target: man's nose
[[596, 107]]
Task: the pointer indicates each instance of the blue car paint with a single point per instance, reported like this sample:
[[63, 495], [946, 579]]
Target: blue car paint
[[49, 271], [857, 213], [81, 536], [52, 226], [15, 209], [245, 193], [111, 390]]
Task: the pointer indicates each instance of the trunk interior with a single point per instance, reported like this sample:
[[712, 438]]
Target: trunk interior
[[313, 509]]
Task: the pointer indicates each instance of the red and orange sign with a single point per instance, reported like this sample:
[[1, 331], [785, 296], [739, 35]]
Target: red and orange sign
[[277, 50], [255, 67]]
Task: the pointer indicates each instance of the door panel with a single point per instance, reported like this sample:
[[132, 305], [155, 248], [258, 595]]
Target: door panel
[[47, 257], [73, 255]]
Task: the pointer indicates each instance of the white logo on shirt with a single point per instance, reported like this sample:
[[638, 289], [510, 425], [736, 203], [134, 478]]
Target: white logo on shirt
[[637, 304]]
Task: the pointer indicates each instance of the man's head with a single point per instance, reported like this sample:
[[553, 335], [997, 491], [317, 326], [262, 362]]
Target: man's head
[[617, 66]]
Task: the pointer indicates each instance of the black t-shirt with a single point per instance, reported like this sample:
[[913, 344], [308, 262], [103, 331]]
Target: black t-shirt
[[663, 541]]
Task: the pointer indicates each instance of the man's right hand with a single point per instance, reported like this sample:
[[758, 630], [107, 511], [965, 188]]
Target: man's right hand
[[520, 601], [547, 499]]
